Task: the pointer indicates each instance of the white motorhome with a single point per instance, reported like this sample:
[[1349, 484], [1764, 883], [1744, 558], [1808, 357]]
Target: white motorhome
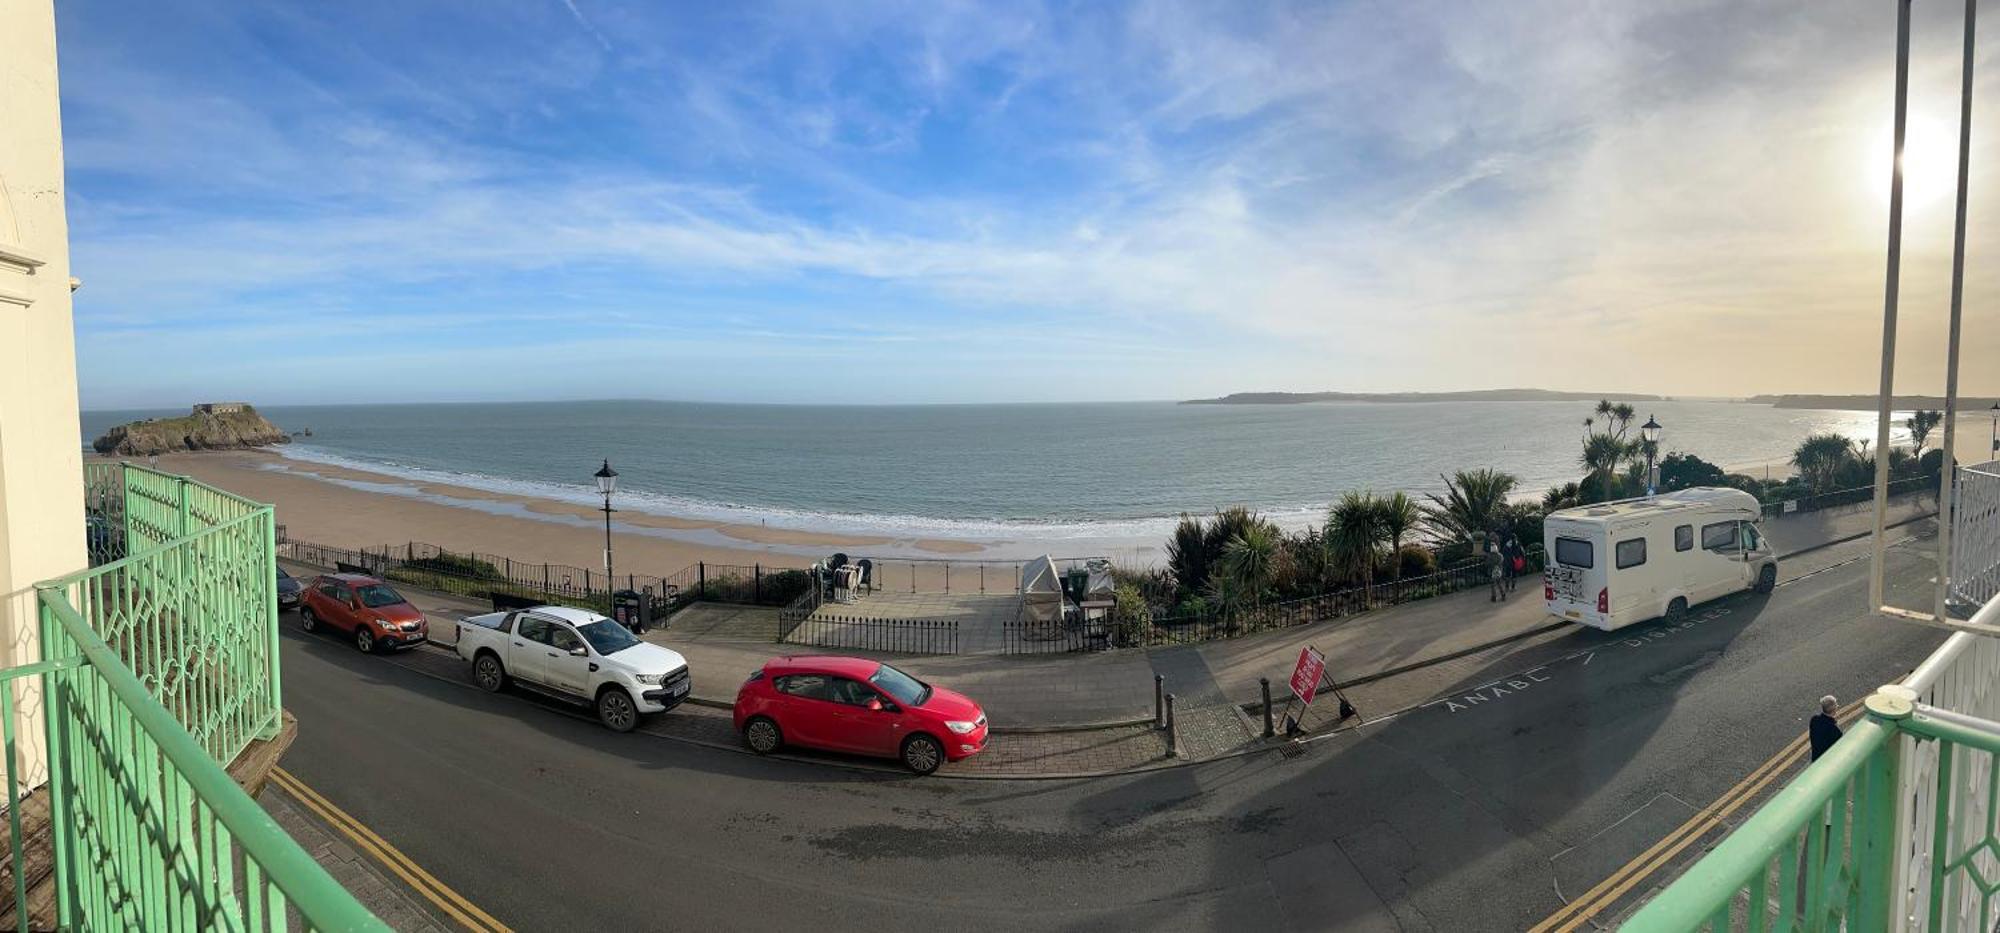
[[1616, 563]]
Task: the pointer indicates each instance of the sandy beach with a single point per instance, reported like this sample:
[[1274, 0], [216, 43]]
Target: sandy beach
[[343, 507]]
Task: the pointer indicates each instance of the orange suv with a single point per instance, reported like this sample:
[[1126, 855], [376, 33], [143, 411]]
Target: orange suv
[[377, 616]]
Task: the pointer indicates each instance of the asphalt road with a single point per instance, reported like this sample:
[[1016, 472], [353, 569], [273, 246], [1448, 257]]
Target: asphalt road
[[1524, 784]]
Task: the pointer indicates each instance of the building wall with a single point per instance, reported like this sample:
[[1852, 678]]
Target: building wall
[[41, 459]]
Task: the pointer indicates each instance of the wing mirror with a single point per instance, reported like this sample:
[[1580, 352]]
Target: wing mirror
[[875, 703], [579, 652]]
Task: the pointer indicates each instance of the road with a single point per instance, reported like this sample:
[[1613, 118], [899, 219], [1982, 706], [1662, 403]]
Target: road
[[1523, 785]]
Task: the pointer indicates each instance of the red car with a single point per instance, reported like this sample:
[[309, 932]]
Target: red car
[[859, 706], [372, 612]]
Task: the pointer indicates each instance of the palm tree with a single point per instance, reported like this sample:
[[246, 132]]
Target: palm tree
[[1355, 530], [1920, 423], [1820, 459], [1602, 452], [1473, 503], [1247, 564], [1400, 516], [1565, 496]]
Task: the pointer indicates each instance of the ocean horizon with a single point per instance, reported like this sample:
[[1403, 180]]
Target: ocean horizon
[[1100, 472]]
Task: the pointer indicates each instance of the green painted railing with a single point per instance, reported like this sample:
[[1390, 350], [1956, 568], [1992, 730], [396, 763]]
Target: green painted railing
[[1840, 849], [159, 668]]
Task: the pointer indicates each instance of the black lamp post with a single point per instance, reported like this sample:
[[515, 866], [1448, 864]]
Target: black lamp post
[[1650, 431], [607, 482]]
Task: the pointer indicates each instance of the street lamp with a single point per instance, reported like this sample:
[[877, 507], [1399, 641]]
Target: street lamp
[[607, 482], [1651, 432]]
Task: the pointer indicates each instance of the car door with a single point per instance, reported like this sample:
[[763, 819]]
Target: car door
[[336, 605], [870, 731], [1722, 559], [806, 709], [566, 671], [528, 648]]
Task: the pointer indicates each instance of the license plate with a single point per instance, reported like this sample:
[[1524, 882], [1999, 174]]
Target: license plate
[[678, 689], [1573, 614]]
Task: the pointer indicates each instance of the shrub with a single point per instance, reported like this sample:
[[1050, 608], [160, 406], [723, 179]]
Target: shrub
[[454, 565], [1130, 615], [1417, 561]]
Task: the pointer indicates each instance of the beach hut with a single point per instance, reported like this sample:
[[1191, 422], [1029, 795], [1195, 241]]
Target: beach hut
[[1041, 594]]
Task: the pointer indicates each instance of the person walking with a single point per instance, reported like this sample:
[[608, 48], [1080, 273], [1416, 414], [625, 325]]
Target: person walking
[[1824, 730], [1494, 561], [1513, 557]]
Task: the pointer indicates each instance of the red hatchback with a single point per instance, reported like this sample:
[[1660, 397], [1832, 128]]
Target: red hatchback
[[363, 607], [859, 706]]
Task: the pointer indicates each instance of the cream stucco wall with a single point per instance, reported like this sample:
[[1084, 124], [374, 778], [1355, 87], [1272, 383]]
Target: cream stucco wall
[[41, 460]]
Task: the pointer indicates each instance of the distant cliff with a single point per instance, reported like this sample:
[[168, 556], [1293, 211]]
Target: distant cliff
[[1479, 395], [215, 426]]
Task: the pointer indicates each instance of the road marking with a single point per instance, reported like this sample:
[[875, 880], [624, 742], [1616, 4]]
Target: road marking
[[1607, 892], [437, 892]]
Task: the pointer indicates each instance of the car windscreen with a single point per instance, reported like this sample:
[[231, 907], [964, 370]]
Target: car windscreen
[[375, 594], [606, 636], [907, 690]]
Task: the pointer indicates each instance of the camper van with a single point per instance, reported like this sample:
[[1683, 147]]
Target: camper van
[[1616, 563]]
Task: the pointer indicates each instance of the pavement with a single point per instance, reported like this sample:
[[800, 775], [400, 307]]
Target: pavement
[[1516, 780]]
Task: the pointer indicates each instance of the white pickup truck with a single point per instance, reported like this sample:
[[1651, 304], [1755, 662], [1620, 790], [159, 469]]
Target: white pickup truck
[[574, 655]]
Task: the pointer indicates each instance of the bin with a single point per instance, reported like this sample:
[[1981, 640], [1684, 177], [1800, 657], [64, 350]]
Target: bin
[[628, 609]]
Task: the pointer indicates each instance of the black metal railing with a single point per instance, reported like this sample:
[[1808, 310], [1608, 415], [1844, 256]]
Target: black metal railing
[[900, 636]]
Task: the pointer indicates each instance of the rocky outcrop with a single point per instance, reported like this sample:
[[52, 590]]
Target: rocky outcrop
[[226, 426]]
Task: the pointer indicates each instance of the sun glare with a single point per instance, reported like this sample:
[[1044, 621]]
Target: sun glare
[[1930, 162]]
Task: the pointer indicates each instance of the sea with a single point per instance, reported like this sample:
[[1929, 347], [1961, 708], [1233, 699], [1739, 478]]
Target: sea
[[1107, 477]]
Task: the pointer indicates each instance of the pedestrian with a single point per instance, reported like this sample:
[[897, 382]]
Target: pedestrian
[[1824, 730], [1515, 558], [1494, 561]]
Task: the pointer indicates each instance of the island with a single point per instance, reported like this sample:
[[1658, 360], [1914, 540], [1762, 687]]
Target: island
[[210, 426]]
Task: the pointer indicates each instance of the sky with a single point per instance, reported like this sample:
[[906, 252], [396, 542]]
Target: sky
[[950, 202]]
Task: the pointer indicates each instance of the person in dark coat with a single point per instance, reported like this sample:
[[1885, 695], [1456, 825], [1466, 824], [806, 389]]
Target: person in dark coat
[[1824, 730], [1513, 557]]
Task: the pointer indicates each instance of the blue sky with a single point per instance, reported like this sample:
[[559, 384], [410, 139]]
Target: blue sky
[[363, 201]]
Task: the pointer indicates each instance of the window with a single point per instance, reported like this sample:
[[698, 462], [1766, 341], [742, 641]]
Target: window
[[808, 686], [331, 591], [1631, 553], [533, 629], [1751, 539], [1575, 552], [376, 595], [850, 692], [1720, 536], [907, 690], [563, 639], [1684, 538], [607, 637]]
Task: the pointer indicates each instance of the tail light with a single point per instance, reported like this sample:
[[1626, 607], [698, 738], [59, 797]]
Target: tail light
[[1604, 600], [1549, 592]]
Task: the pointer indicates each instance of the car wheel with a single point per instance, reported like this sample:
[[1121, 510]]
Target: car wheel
[[762, 735], [1767, 579], [308, 621], [488, 674], [364, 640], [922, 754], [615, 710], [1677, 611]]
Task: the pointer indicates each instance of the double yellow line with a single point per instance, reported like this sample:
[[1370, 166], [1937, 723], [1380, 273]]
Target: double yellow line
[[437, 892], [1576, 913]]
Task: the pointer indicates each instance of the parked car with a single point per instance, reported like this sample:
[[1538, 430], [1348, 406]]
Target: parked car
[[859, 706], [289, 590], [367, 609], [577, 656]]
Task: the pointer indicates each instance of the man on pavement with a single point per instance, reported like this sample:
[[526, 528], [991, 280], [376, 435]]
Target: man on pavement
[[1824, 730]]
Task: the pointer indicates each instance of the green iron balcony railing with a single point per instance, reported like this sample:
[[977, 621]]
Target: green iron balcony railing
[[1892, 829], [159, 667]]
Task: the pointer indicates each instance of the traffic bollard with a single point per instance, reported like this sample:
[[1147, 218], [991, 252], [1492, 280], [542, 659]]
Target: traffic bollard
[[1159, 710], [1269, 730], [1173, 734]]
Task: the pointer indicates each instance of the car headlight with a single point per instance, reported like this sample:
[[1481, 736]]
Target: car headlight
[[961, 727], [652, 679]]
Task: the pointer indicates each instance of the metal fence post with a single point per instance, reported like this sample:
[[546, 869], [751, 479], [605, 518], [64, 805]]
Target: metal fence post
[[701, 579], [1159, 704], [1173, 734], [756, 583], [1269, 730]]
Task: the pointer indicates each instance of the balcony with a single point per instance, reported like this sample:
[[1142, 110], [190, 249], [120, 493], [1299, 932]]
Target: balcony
[[159, 666], [1894, 827]]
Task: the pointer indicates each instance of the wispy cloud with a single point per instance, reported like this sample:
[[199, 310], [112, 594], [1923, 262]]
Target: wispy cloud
[[1361, 195]]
